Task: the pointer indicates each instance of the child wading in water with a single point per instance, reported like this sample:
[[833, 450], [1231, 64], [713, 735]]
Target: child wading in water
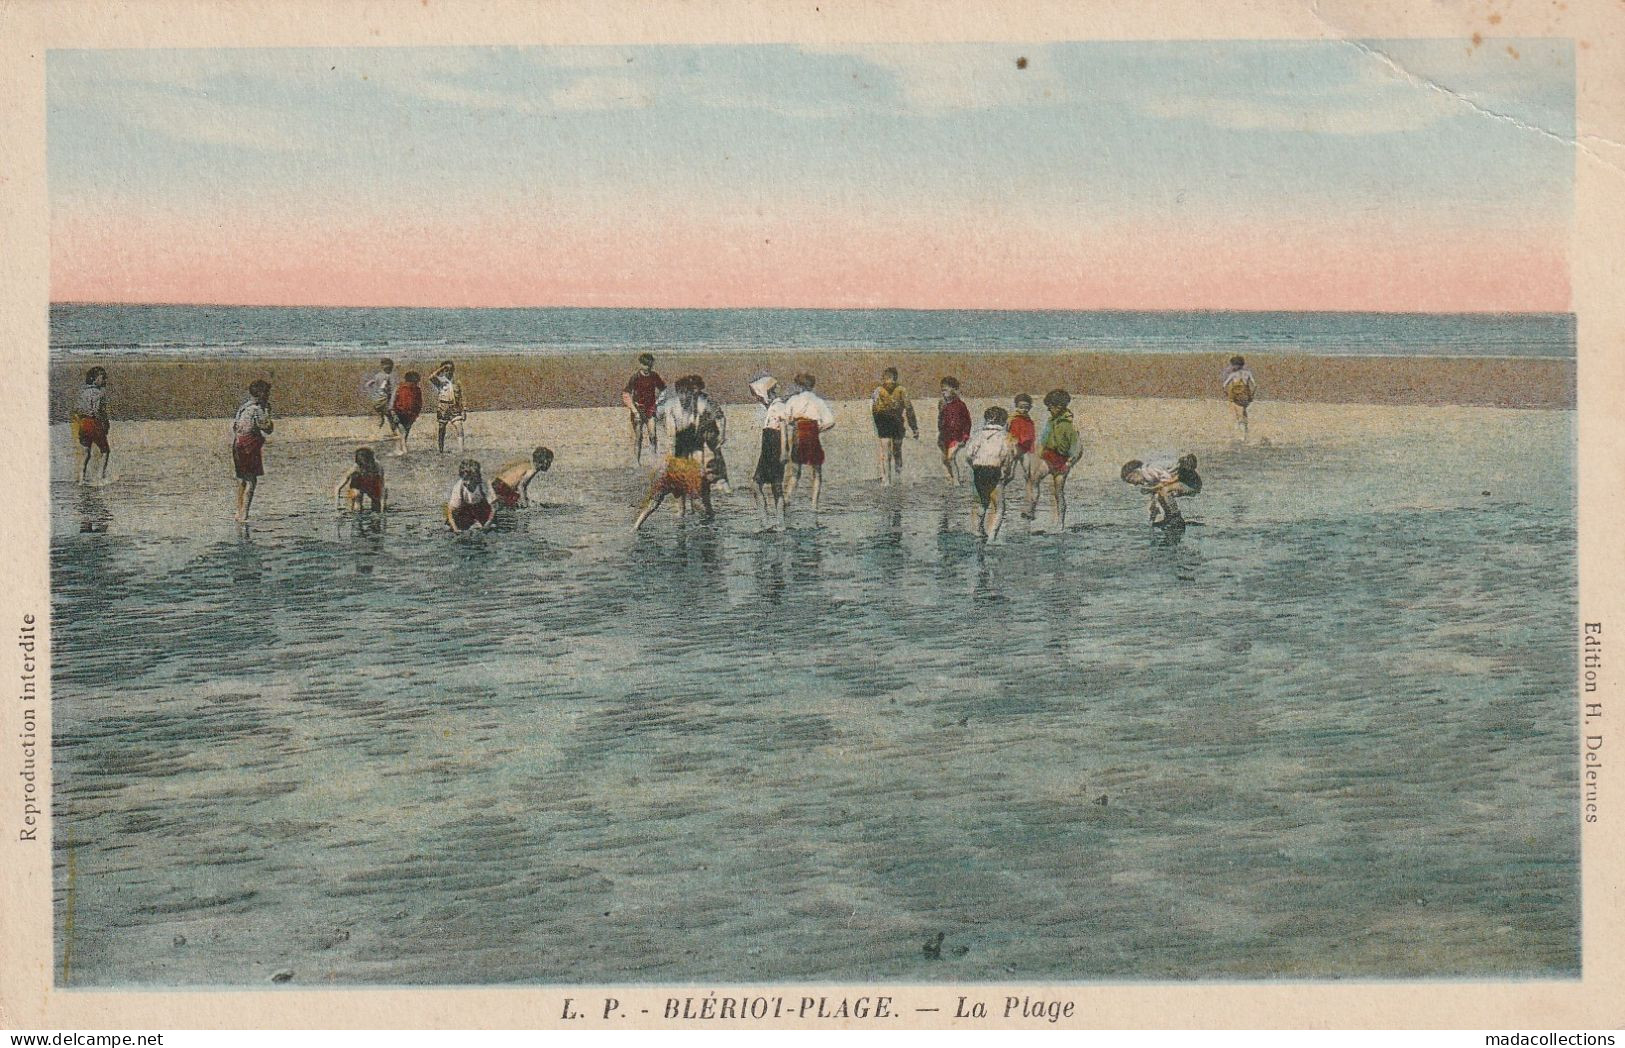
[[682, 476], [891, 408], [248, 431], [1166, 481], [768, 480], [1059, 450], [811, 417], [89, 421], [365, 481], [713, 431], [469, 504], [511, 483], [953, 427], [1023, 432], [641, 395], [407, 406], [1239, 389], [380, 390], [692, 419], [992, 456], [449, 408]]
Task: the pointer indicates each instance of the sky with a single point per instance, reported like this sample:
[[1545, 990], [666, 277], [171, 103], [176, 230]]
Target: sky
[[1410, 175]]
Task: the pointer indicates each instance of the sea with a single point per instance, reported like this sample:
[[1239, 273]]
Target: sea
[[1326, 732], [79, 330]]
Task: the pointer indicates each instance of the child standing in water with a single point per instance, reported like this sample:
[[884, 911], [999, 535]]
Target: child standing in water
[[891, 408], [469, 504], [1058, 451], [696, 428], [248, 431], [1166, 482], [953, 427], [407, 406], [810, 417], [1239, 389], [365, 481], [1023, 432], [511, 483], [713, 432], [641, 394], [992, 456], [89, 421], [449, 408], [683, 408], [769, 476], [380, 389]]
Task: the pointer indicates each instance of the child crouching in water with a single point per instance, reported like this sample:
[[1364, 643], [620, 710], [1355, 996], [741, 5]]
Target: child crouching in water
[[1166, 483], [469, 504], [365, 481], [511, 484], [683, 477]]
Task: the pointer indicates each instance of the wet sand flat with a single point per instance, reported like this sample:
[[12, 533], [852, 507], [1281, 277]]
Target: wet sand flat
[[144, 388], [1327, 733]]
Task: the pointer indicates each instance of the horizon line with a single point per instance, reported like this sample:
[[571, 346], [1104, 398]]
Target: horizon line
[[834, 309]]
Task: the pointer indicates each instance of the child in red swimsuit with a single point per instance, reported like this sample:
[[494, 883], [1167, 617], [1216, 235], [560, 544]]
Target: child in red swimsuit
[[469, 504], [511, 483], [953, 427], [641, 395], [248, 430], [90, 422], [406, 408], [1022, 430], [365, 481]]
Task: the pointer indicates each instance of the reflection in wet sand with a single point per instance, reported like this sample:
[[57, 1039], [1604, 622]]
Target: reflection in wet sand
[[1332, 729]]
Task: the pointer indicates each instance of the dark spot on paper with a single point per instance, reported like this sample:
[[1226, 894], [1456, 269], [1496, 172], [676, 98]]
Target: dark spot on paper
[[1513, 51], [1021, 63], [1494, 19], [1477, 39]]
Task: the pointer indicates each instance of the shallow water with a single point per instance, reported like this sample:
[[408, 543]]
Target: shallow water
[[1327, 733]]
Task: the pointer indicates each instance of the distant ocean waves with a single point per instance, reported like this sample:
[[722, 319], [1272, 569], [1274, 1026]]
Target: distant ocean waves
[[251, 331]]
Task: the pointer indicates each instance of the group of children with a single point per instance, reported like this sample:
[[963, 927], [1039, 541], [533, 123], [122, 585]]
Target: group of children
[[398, 404], [794, 418], [793, 421], [1006, 446], [696, 426], [472, 504]]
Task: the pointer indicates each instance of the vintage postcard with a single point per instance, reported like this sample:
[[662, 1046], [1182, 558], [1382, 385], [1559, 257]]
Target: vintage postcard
[[743, 515]]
